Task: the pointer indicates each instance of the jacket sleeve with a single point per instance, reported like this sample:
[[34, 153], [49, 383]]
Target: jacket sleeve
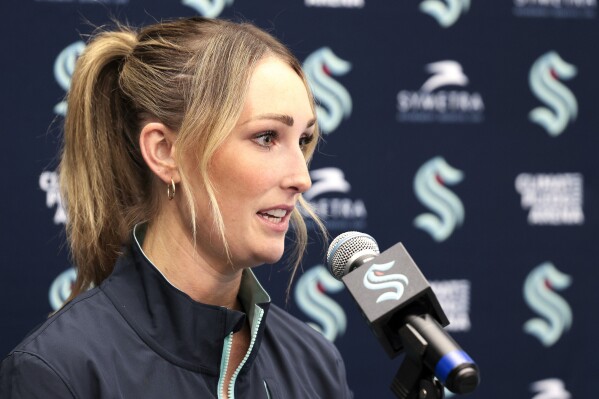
[[26, 376], [346, 392]]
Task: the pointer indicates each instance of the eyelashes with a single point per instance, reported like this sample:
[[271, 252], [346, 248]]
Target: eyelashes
[[269, 138], [306, 140], [266, 139]]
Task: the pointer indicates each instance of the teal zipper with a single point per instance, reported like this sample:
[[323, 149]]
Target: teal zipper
[[224, 363], [255, 325]]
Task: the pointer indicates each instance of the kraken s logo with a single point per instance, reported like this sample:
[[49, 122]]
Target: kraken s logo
[[429, 186], [208, 8], [334, 101], [445, 73], [376, 279], [445, 12], [310, 296], [327, 180], [61, 288], [539, 293], [551, 388], [543, 79], [63, 71]]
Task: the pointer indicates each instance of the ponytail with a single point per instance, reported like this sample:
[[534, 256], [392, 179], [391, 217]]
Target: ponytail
[[101, 178]]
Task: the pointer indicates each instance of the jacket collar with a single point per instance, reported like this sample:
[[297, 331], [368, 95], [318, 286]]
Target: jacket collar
[[188, 333]]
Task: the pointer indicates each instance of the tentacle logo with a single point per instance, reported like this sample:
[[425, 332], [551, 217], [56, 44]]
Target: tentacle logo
[[61, 288], [551, 388], [63, 71], [334, 101], [310, 296], [543, 79], [376, 279], [540, 295], [429, 186], [208, 8], [445, 12]]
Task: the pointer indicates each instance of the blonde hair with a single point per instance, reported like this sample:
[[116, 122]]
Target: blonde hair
[[190, 74]]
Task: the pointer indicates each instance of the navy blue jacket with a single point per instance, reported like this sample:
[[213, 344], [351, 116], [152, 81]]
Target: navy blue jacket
[[137, 336]]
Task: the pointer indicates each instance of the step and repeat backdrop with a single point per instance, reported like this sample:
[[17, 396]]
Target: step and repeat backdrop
[[465, 129]]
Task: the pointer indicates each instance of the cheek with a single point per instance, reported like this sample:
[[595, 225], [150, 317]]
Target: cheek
[[239, 179]]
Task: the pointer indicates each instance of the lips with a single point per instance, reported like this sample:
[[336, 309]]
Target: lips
[[274, 215]]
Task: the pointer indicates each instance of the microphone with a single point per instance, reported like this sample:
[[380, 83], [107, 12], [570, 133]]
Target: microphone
[[400, 307]]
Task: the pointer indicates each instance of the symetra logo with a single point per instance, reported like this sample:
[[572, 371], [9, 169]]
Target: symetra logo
[[544, 83], [49, 183], [333, 101], [63, 71], [551, 388], [208, 8], [552, 199], [338, 212], [435, 103], [582, 9], [310, 296], [335, 3], [454, 297], [540, 295], [429, 186], [445, 12], [376, 279], [61, 288]]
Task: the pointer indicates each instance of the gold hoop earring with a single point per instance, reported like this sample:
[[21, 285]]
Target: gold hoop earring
[[170, 190]]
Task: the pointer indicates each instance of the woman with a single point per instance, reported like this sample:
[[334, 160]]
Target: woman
[[185, 156]]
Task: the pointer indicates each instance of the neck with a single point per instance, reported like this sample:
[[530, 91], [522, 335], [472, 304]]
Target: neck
[[170, 247]]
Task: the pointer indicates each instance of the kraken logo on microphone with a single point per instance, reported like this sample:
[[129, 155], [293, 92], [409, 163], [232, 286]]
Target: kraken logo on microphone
[[540, 295], [61, 288], [330, 200], [376, 279], [208, 8], [445, 12], [551, 388], [63, 71], [544, 83], [429, 186], [311, 298], [333, 101]]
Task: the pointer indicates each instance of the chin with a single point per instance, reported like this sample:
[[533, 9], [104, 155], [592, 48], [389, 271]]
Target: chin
[[271, 255]]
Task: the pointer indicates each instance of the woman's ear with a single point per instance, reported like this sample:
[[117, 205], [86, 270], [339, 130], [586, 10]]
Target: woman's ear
[[157, 143]]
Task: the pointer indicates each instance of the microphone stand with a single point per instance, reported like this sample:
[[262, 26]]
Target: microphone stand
[[413, 380]]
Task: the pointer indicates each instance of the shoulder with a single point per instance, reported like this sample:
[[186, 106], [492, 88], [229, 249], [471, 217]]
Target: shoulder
[[66, 348], [75, 324], [27, 375]]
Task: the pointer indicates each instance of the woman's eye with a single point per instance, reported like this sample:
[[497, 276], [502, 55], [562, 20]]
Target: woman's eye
[[266, 139], [305, 141]]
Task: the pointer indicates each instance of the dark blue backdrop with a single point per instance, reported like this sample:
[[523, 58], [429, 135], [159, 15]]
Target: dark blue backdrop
[[465, 129]]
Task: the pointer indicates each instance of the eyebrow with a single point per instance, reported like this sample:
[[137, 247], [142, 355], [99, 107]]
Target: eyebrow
[[286, 119]]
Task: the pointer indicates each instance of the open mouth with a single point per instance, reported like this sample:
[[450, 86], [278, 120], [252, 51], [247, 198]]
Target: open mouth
[[274, 215]]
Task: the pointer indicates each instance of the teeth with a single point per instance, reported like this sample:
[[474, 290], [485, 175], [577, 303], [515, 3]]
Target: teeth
[[274, 215], [271, 218], [278, 213]]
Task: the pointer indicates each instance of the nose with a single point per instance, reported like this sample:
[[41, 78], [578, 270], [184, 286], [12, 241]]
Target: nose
[[297, 177]]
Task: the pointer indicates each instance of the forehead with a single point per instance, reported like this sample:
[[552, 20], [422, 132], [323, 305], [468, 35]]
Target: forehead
[[275, 87]]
